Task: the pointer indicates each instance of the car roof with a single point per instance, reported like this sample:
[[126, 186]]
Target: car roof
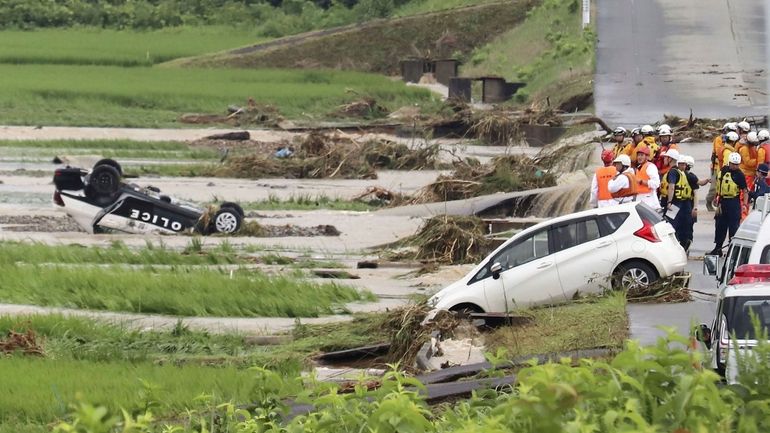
[[625, 207], [750, 227]]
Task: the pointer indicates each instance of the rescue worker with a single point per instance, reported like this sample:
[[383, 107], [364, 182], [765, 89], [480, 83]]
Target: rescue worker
[[636, 138], [695, 184], [743, 131], [731, 184], [764, 142], [761, 187], [647, 177], [728, 147], [600, 193], [680, 194], [751, 157], [669, 159], [619, 138], [649, 139], [666, 143], [716, 164], [623, 186]]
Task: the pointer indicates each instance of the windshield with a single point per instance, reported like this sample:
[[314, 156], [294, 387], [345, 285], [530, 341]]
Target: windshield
[[739, 311]]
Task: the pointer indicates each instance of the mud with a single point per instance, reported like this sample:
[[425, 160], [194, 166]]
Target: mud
[[38, 223]]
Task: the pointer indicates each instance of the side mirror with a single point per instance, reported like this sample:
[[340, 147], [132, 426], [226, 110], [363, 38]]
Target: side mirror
[[496, 269], [710, 265], [703, 334]]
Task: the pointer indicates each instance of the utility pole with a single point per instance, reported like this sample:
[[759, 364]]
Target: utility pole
[[586, 12]]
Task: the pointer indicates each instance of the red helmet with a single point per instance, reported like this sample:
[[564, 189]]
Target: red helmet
[[607, 156], [643, 149]]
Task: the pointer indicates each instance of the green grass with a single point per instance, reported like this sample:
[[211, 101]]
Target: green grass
[[179, 290], [97, 46], [117, 253], [549, 51], [308, 202], [426, 6], [107, 149], [597, 323], [156, 97], [40, 390]]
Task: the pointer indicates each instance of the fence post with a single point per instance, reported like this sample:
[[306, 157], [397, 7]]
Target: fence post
[[586, 12]]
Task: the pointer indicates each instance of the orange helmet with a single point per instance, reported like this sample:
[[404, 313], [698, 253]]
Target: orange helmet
[[607, 156], [643, 149]]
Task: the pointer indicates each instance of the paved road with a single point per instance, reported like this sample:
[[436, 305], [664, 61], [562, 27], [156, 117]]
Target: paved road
[[667, 56]]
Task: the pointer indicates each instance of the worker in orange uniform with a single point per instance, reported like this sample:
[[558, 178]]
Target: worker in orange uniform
[[728, 147], [647, 178], [664, 144], [649, 139], [751, 157], [764, 142], [636, 139], [619, 138], [623, 186], [600, 193], [743, 131], [716, 164]]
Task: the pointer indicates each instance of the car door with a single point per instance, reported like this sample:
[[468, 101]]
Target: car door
[[584, 258], [528, 277]]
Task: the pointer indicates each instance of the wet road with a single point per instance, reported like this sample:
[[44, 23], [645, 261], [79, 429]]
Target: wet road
[[670, 56]]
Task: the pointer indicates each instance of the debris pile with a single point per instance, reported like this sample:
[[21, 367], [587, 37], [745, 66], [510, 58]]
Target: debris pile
[[252, 114], [321, 155], [379, 196], [471, 179], [670, 290], [497, 128], [17, 342], [450, 240], [365, 108]]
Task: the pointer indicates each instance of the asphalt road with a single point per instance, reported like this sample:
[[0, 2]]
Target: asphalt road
[[670, 56]]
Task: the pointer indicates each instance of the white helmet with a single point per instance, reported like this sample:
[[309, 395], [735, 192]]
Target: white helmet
[[663, 126], [763, 135], [732, 136], [744, 126], [687, 159], [730, 126], [636, 131], [623, 159], [672, 153], [619, 130], [647, 130], [664, 130], [734, 158], [752, 137]]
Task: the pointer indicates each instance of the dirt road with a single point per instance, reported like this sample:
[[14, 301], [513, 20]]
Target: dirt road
[[668, 56]]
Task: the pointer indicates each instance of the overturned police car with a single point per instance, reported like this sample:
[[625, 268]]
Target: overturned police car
[[99, 200]]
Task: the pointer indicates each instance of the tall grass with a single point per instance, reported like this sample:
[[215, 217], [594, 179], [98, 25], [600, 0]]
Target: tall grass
[[41, 390], [426, 6], [118, 252], [308, 202], [183, 291], [113, 96], [97, 46]]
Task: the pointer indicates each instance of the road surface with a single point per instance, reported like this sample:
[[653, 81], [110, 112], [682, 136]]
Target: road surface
[[670, 56]]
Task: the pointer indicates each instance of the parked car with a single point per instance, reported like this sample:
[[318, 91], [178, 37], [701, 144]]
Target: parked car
[[99, 200], [552, 262], [747, 292]]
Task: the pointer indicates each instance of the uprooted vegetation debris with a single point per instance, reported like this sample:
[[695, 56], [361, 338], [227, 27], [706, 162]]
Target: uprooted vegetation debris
[[365, 108], [252, 114], [21, 342], [321, 155], [450, 240]]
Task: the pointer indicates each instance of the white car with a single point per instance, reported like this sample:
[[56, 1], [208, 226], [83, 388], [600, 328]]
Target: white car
[[556, 260], [747, 292]]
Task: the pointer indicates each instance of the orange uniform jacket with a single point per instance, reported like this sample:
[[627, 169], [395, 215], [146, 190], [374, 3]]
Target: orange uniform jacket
[[641, 174], [603, 176], [631, 190]]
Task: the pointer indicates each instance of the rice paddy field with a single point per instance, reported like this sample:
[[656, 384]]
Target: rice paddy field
[[97, 46]]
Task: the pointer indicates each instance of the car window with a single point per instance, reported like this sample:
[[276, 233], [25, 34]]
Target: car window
[[765, 257], [647, 213], [740, 319], [739, 255], [574, 233], [610, 223], [518, 253]]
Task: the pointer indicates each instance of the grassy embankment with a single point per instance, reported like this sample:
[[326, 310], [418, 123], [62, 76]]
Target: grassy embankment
[[79, 350], [549, 51], [44, 150], [135, 282]]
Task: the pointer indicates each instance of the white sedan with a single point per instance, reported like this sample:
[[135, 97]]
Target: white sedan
[[556, 260]]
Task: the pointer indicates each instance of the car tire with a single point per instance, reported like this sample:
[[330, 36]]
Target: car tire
[[465, 310], [235, 206], [227, 220], [110, 162], [103, 183], [633, 274]]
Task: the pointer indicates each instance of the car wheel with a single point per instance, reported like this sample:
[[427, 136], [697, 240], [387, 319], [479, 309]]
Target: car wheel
[[227, 220], [465, 310], [632, 275], [103, 183], [110, 162], [235, 206]]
